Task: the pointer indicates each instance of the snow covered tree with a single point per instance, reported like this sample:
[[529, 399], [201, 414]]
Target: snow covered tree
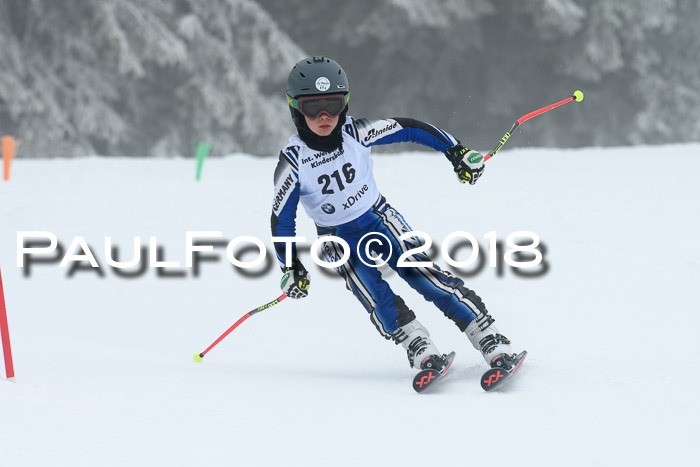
[[669, 81], [142, 77], [415, 58], [474, 66], [232, 93], [67, 69], [147, 77], [610, 52]]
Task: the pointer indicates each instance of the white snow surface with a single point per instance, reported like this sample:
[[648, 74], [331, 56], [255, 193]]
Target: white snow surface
[[104, 365]]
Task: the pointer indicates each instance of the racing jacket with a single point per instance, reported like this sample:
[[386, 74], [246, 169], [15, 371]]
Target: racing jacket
[[338, 186]]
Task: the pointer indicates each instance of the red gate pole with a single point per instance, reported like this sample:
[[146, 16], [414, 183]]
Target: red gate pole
[[5, 333]]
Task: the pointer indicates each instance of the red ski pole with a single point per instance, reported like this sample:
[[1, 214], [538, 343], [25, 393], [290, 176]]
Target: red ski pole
[[199, 356], [578, 97]]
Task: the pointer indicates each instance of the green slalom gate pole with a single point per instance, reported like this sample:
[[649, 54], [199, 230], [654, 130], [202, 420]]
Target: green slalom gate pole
[[199, 356], [201, 154], [578, 97]]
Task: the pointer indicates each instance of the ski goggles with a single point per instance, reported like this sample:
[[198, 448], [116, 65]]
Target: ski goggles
[[312, 106]]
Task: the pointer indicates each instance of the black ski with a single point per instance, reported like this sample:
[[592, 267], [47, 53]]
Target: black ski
[[496, 376], [426, 378]]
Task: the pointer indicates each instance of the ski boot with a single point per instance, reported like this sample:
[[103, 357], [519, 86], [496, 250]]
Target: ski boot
[[422, 355], [494, 347], [420, 349]]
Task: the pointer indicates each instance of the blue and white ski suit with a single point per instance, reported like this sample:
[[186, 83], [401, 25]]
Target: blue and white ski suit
[[338, 191]]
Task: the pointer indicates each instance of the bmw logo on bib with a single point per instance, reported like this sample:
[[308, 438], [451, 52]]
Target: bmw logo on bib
[[328, 208]]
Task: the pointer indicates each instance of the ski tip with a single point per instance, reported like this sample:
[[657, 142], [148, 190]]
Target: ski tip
[[495, 376], [492, 378], [198, 357], [424, 379], [427, 377]]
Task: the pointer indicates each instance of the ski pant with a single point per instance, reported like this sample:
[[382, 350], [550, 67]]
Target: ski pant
[[387, 310]]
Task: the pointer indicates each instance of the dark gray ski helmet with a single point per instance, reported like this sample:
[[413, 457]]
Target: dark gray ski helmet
[[316, 75]]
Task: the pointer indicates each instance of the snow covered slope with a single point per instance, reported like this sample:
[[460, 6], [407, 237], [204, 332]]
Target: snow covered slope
[[104, 364]]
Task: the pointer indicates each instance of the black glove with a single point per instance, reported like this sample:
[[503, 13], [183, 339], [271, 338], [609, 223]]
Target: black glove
[[468, 164], [295, 282]]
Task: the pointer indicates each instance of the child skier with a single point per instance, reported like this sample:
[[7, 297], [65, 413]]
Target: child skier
[[327, 166]]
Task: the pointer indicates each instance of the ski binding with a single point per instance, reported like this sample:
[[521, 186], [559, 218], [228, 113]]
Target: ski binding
[[495, 377]]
